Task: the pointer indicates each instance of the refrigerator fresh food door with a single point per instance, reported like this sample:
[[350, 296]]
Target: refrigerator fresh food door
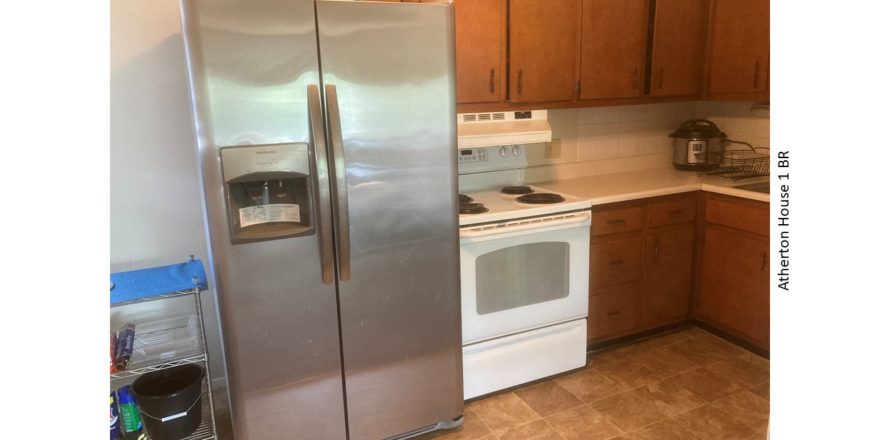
[[388, 73], [253, 67]]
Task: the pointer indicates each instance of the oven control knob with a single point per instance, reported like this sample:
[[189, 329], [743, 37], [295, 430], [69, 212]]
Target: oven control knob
[[503, 151], [516, 150]]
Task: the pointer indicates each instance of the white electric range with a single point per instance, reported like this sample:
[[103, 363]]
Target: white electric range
[[524, 273]]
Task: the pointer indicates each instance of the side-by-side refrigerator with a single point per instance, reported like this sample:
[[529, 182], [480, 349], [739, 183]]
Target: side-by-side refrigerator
[[326, 137]]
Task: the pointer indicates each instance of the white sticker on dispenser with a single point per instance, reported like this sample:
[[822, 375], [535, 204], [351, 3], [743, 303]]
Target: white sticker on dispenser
[[276, 212]]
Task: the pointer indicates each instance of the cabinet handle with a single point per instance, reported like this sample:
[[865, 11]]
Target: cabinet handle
[[635, 78], [519, 84], [492, 81], [660, 79], [757, 70], [656, 250], [617, 221], [763, 261], [616, 263], [615, 313]]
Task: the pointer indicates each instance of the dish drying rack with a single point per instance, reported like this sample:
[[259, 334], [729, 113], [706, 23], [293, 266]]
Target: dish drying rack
[[739, 164]]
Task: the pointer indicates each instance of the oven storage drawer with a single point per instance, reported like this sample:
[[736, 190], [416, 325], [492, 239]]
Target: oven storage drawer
[[615, 262], [614, 311], [616, 221], [516, 359]]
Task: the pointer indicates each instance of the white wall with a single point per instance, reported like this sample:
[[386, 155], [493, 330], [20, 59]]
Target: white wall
[[155, 210], [155, 207]]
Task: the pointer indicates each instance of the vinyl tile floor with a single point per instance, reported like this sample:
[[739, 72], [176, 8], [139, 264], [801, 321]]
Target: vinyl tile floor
[[685, 385]]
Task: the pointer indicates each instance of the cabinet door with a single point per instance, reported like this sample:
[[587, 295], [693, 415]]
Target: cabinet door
[[669, 256], [613, 38], [740, 46], [480, 34], [735, 283], [677, 55], [544, 38]]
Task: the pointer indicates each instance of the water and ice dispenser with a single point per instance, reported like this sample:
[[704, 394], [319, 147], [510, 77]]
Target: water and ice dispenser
[[268, 191]]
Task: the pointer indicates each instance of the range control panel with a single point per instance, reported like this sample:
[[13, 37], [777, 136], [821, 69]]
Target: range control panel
[[472, 155], [505, 157]]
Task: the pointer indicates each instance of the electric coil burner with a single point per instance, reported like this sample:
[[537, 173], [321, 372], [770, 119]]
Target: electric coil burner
[[517, 190], [463, 198], [472, 208], [540, 198]]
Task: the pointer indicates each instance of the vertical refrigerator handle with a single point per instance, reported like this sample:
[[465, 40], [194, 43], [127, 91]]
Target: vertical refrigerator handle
[[340, 202], [325, 225]]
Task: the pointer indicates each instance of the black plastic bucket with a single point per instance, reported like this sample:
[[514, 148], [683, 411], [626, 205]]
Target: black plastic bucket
[[170, 401]]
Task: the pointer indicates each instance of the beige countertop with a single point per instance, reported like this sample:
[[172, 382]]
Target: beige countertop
[[631, 185]]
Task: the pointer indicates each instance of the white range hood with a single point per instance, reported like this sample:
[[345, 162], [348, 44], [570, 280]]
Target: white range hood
[[502, 128]]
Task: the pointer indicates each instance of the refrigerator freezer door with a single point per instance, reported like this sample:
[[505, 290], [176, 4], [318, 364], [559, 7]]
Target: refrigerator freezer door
[[392, 68], [252, 66]]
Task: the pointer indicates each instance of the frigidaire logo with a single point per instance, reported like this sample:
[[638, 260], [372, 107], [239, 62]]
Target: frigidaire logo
[[266, 152]]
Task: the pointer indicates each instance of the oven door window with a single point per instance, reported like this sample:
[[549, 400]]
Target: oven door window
[[522, 275]]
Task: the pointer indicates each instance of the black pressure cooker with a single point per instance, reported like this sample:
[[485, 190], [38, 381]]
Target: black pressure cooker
[[697, 145]]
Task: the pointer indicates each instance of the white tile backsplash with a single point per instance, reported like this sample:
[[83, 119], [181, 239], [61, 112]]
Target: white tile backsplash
[[738, 120], [628, 131], [632, 131]]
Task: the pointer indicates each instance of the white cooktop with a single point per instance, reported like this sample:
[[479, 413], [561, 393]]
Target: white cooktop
[[505, 207]]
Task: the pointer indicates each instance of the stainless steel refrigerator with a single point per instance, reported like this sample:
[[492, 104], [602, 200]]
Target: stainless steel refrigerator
[[327, 144]]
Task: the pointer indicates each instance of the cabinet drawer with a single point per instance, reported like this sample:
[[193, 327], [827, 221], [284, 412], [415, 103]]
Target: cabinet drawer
[[613, 312], [671, 212], [745, 216], [615, 262], [617, 220]]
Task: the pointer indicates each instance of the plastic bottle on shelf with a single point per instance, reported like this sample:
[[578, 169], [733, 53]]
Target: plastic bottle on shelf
[[124, 346], [112, 352], [115, 432], [128, 410]]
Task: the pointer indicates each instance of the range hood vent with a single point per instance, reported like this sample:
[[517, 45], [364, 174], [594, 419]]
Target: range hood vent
[[502, 128]]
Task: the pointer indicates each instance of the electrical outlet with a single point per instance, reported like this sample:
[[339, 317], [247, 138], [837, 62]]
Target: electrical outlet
[[553, 150]]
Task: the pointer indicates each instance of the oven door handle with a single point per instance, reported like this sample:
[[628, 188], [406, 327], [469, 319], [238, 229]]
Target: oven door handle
[[517, 228]]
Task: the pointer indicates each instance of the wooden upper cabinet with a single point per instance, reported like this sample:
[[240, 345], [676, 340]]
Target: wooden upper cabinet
[[544, 37], [613, 39], [480, 50], [739, 49], [677, 55]]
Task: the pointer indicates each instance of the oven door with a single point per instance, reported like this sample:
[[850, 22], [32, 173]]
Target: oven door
[[518, 278]]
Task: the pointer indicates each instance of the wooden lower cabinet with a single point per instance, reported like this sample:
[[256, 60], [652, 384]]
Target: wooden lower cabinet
[[668, 270], [665, 260], [641, 258], [734, 288]]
